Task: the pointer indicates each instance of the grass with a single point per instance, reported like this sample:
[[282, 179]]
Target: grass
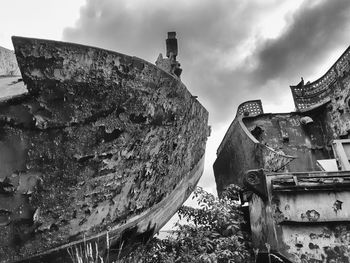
[[88, 252]]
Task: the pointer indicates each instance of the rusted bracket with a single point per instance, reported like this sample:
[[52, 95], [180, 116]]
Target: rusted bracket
[[255, 181]]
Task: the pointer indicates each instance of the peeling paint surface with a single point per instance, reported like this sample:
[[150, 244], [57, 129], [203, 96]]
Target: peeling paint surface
[[287, 135], [100, 139], [261, 222], [312, 226], [303, 213], [326, 243], [307, 207], [309, 225]]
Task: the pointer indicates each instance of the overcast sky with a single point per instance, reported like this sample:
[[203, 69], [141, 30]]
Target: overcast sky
[[230, 50]]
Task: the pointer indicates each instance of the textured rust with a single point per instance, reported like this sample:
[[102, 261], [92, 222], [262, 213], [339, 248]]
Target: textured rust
[[311, 215], [101, 141], [337, 206]]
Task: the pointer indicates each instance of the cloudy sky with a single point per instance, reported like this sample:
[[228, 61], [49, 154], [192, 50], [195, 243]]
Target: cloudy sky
[[230, 50]]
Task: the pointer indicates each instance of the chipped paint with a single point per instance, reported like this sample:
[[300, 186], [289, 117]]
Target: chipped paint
[[303, 212], [100, 140], [327, 243]]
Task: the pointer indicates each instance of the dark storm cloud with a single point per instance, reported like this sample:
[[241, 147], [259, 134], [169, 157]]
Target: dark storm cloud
[[207, 31], [136, 26], [313, 32]]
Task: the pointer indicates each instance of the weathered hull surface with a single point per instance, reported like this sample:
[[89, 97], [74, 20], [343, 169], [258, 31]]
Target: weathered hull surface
[[103, 144]]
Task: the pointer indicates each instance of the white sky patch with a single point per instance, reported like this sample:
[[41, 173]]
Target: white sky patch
[[269, 26], [272, 25], [283, 104], [276, 97], [36, 18]]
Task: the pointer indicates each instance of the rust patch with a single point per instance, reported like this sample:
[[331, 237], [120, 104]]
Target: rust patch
[[313, 246], [337, 206], [311, 215]]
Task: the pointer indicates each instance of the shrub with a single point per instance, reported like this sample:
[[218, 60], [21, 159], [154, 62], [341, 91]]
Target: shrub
[[212, 234]]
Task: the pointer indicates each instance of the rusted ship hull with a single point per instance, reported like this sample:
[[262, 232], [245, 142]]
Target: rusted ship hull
[[294, 168], [103, 145]]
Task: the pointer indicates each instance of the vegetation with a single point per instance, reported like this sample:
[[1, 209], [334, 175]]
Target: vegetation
[[212, 234]]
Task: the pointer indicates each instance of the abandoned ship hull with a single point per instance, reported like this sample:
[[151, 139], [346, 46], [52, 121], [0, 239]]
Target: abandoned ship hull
[[294, 169], [104, 147]]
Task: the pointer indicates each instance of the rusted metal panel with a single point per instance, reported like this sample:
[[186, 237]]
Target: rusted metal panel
[[311, 181], [308, 206], [301, 205], [317, 243], [287, 134], [238, 148], [303, 226], [240, 152], [262, 224]]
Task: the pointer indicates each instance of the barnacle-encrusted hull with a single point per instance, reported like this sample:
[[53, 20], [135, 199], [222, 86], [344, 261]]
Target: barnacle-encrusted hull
[[102, 144]]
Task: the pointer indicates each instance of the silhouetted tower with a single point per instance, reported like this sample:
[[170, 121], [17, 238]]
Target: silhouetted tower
[[171, 45], [170, 64]]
